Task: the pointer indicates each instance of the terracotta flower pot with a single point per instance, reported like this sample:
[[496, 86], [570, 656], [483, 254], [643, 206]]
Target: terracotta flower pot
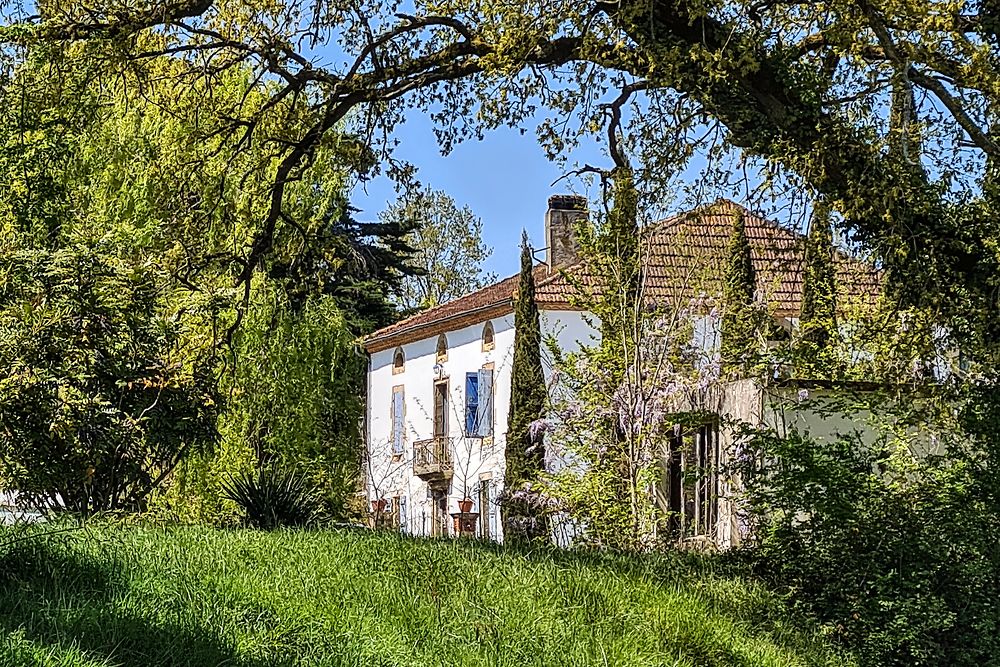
[[465, 505], [378, 506]]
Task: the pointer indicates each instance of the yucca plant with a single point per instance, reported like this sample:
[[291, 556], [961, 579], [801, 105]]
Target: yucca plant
[[274, 497]]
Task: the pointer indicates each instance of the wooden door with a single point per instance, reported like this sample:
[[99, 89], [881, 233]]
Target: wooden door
[[439, 514]]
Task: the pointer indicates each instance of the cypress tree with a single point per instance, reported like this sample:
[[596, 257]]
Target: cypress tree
[[525, 456], [617, 256], [739, 314], [818, 319]]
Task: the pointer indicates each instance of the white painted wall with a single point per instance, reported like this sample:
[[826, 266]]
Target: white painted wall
[[474, 458]]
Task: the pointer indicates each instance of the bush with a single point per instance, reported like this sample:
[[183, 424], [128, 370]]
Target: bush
[[898, 556], [274, 497]]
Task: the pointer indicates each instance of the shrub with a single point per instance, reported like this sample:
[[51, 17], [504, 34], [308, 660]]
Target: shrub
[[897, 555], [274, 497]]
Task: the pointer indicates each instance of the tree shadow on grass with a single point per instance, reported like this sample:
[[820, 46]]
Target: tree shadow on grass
[[65, 601]]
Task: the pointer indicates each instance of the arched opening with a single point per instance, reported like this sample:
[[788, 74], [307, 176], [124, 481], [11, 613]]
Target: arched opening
[[398, 361], [488, 337], [442, 348]]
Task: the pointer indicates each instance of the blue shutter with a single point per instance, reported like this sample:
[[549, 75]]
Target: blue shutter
[[397, 422], [403, 526], [484, 417], [471, 403]]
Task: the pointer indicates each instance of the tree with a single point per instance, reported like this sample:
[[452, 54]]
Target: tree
[[363, 266], [449, 251], [740, 314], [525, 449], [105, 389], [100, 402], [804, 94], [818, 318], [95, 180]]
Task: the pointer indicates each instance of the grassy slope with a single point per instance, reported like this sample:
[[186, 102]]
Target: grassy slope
[[185, 596]]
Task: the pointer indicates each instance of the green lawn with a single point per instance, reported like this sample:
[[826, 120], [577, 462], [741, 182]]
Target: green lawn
[[143, 597]]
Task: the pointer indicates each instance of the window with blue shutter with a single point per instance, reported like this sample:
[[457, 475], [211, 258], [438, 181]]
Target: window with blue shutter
[[397, 421], [484, 409], [471, 404], [404, 525]]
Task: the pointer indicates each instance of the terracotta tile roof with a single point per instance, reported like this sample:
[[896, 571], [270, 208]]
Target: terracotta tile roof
[[684, 257], [490, 301]]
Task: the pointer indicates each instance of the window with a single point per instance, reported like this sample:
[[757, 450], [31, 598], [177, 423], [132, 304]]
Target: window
[[398, 361], [399, 514], [398, 421], [488, 337], [479, 403], [442, 348], [779, 330], [441, 409], [691, 480], [487, 509]]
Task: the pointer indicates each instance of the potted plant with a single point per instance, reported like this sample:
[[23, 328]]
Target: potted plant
[[378, 506], [465, 505]]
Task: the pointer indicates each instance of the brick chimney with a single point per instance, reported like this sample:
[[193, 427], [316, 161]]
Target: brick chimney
[[565, 211]]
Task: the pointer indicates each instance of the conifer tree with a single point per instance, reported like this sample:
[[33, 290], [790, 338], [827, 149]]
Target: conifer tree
[[740, 315], [818, 319], [524, 454]]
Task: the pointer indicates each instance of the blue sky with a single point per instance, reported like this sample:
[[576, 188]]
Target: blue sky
[[505, 179]]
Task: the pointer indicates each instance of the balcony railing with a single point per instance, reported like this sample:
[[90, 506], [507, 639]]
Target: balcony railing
[[432, 458]]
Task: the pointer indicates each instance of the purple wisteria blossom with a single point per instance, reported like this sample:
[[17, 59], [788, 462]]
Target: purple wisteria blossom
[[537, 429]]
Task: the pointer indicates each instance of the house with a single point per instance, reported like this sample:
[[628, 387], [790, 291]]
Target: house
[[439, 381]]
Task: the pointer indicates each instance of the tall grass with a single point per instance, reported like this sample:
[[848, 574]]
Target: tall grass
[[143, 597]]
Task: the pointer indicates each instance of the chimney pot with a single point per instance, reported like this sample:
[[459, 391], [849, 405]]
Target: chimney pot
[[564, 212]]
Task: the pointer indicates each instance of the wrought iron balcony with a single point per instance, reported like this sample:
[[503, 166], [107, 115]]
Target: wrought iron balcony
[[432, 458]]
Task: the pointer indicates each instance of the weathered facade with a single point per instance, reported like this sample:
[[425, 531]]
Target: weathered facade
[[439, 382]]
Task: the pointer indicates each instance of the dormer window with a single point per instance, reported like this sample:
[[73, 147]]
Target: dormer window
[[442, 348], [398, 361], [488, 337]]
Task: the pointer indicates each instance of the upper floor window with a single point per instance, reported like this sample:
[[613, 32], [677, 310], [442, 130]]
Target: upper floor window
[[398, 361], [488, 337], [479, 403], [442, 348]]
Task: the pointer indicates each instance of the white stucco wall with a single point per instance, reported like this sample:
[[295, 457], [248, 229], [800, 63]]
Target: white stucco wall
[[474, 458]]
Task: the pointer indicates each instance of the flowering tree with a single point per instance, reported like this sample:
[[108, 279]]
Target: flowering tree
[[616, 405]]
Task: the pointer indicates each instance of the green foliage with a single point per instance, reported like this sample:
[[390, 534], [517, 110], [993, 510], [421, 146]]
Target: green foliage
[[818, 319], [613, 253], [293, 399], [525, 452], [99, 402], [115, 219], [616, 404], [605, 384], [798, 97], [296, 394], [448, 248], [895, 552], [194, 597], [740, 315], [363, 267], [274, 497]]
